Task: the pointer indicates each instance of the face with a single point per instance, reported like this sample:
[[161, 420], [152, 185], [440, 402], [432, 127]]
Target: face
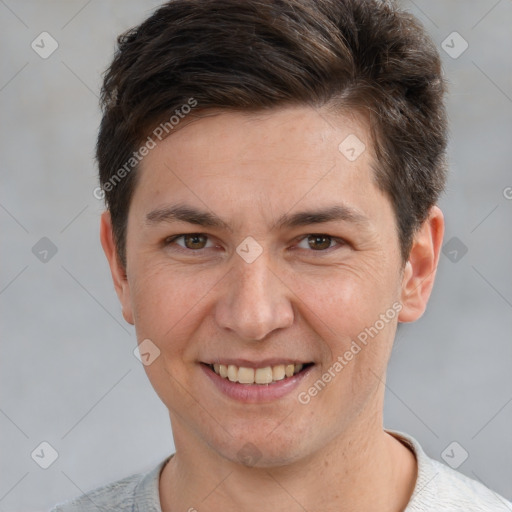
[[256, 247]]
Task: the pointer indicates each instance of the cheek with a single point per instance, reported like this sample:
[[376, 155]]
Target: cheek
[[159, 300], [353, 312], [346, 298], [349, 381], [167, 301]]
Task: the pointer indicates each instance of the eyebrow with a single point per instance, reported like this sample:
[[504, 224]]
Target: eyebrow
[[192, 215]]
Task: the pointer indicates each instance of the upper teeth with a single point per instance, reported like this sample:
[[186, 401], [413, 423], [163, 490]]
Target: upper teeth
[[265, 375]]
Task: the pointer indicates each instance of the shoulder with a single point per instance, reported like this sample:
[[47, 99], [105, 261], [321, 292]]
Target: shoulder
[[140, 489], [119, 494], [441, 488], [459, 492]]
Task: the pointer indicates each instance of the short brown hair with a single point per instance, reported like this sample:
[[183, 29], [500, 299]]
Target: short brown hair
[[365, 55]]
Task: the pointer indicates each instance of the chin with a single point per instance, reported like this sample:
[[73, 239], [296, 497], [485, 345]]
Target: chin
[[280, 445]]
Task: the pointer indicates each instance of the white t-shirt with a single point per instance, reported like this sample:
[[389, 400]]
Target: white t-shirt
[[438, 489]]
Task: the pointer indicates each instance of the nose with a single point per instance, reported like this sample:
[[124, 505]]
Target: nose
[[254, 301]]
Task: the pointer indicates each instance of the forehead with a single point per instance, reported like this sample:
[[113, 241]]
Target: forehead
[[264, 162], [297, 133]]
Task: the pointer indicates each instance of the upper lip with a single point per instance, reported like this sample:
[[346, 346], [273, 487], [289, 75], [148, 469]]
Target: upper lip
[[256, 364]]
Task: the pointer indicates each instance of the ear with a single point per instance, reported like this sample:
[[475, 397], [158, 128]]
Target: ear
[[420, 269], [116, 268]]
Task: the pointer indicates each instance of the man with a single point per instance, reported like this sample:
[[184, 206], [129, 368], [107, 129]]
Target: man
[[271, 170]]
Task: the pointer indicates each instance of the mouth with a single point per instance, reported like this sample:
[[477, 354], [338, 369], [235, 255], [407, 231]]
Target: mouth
[[258, 376], [257, 383]]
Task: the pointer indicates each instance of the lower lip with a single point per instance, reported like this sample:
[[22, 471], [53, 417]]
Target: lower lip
[[256, 393]]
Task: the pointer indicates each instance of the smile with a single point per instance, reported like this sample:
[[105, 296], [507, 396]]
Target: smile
[[256, 382], [265, 375]]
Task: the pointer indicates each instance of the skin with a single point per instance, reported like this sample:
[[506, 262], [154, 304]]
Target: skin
[[298, 300]]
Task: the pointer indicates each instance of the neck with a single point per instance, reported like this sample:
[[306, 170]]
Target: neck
[[364, 469]]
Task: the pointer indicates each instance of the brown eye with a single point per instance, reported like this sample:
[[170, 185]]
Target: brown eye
[[189, 241], [195, 241], [319, 242]]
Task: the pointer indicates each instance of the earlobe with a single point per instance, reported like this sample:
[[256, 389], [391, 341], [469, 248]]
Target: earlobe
[[117, 270], [420, 270]]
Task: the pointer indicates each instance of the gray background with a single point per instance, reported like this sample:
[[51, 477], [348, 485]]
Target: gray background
[[68, 374]]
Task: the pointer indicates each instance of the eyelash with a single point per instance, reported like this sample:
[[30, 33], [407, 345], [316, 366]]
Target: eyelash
[[170, 240]]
